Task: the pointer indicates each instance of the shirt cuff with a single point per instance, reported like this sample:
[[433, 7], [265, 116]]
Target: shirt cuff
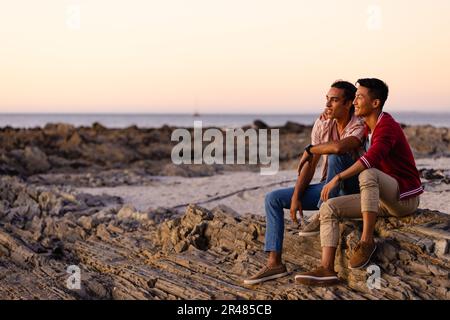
[[365, 162]]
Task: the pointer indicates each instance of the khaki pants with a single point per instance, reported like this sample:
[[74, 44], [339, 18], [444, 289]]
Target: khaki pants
[[379, 193]]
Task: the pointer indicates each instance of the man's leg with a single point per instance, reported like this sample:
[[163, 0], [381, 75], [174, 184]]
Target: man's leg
[[275, 203], [336, 163], [330, 212], [374, 185], [380, 189], [379, 194]]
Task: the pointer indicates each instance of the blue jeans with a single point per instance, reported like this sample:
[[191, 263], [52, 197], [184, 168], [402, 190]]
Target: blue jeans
[[280, 199]]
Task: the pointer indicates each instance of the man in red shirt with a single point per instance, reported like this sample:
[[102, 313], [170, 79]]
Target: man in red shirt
[[388, 178]]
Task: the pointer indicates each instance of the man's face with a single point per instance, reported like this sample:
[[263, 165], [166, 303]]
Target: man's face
[[363, 102], [336, 106]]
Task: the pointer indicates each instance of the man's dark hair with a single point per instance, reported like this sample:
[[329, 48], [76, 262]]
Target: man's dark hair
[[378, 89], [349, 89]]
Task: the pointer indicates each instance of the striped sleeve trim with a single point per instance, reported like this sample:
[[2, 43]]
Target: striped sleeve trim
[[367, 163], [411, 192]]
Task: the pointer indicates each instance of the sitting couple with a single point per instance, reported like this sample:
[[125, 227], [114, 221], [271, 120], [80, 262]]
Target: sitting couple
[[368, 170]]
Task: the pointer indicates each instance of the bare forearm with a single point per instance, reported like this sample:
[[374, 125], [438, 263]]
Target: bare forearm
[[336, 147], [304, 179], [354, 170], [325, 148]]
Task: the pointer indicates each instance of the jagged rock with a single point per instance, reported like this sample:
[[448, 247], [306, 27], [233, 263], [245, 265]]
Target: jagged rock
[[35, 160], [62, 130], [428, 140], [10, 188], [161, 214], [32, 159], [98, 126], [400, 252], [292, 127], [71, 145], [98, 200], [18, 253], [129, 212], [431, 174], [178, 234], [51, 204], [63, 228], [87, 222], [259, 124], [25, 206]]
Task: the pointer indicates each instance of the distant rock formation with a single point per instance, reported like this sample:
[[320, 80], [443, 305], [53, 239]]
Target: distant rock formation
[[64, 148], [259, 124], [428, 140]]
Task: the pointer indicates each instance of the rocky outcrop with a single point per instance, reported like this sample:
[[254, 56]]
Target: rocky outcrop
[[428, 140], [62, 148], [435, 175], [126, 254]]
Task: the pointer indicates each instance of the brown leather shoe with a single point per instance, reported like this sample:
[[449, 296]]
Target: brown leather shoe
[[361, 254], [267, 274], [318, 277]]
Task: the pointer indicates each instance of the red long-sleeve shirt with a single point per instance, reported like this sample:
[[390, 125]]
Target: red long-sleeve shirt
[[390, 152]]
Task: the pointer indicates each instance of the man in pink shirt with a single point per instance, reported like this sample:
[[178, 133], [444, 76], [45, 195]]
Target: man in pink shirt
[[338, 137]]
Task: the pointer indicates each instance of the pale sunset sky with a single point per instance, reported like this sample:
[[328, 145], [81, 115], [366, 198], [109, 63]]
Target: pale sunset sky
[[219, 56]]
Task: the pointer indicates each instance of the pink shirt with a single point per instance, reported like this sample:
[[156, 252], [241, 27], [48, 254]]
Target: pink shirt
[[326, 131]]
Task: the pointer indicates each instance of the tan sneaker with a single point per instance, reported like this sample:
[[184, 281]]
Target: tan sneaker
[[267, 274], [310, 228], [318, 277], [361, 254]]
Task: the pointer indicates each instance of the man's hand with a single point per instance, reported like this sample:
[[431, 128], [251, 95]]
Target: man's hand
[[324, 114], [328, 188], [296, 205]]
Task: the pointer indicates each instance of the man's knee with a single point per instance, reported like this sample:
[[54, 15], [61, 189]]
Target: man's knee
[[339, 162], [334, 159], [327, 211], [271, 198], [368, 177]]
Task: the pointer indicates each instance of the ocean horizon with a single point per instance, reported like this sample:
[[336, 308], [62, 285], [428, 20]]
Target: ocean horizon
[[156, 120]]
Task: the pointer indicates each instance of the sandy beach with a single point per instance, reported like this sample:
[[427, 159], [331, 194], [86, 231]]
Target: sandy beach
[[244, 192]]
